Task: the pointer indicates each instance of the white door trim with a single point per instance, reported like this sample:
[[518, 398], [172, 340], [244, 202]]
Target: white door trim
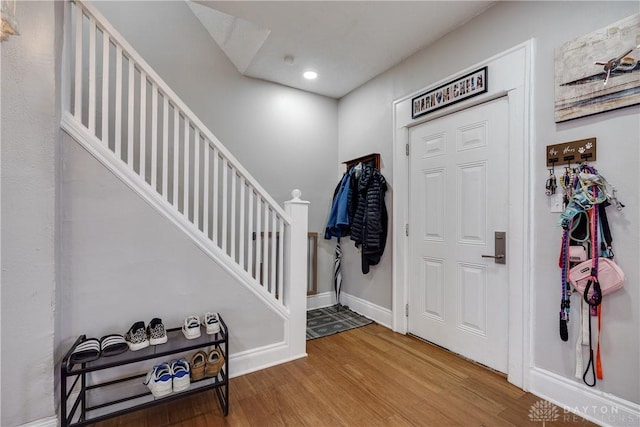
[[510, 73]]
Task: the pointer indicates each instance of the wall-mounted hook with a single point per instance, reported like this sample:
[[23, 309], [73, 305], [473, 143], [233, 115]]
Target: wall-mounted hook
[[586, 156], [567, 151]]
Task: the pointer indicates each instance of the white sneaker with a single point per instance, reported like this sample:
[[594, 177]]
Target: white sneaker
[[159, 380], [191, 327], [211, 322], [181, 373]]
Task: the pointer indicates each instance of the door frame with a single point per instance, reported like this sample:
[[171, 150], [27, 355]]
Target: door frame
[[510, 74]]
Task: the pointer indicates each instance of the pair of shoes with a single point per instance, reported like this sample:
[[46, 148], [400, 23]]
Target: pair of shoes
[[205, 365], [139, 337], [164, 378], [91, 349], [191, 326]]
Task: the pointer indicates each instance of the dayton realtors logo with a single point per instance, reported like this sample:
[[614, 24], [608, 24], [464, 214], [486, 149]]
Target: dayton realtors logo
[[543, 411]]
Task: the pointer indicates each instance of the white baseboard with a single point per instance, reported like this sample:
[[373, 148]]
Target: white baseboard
[[575, 398], [44, 422], [378, 314], [260, 358], [325, 299]]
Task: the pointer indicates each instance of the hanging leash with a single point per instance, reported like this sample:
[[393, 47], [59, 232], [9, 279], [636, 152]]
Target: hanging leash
[[593, 284], [598, 360], [565, 301], [590, 365], [569, 183], [583, 337]]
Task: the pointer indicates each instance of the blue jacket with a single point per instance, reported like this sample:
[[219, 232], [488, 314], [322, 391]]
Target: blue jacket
[[338, 224]]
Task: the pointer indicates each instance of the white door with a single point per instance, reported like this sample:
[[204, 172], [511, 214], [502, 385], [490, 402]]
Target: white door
[[458, 199]]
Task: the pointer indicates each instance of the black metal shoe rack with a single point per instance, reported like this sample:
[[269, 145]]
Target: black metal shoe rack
[[76, 386]]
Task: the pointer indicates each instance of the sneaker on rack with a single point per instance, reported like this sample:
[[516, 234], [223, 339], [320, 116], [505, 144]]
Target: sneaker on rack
[[198, 361], [181, 372], [159, 380], [211, 322], [214, 363], [136, 337], [191, 327], [156, 333]]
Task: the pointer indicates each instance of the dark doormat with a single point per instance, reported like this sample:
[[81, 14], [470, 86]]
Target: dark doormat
[[331, 320]]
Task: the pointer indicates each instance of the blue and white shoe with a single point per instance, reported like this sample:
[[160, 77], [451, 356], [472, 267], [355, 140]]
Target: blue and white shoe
[[181, 374], [160, 380]]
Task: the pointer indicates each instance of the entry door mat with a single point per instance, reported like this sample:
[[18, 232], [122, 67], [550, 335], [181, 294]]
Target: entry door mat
[[331, 320]]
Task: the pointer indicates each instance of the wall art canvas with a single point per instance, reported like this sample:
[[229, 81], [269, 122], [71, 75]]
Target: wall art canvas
[[599, 71]]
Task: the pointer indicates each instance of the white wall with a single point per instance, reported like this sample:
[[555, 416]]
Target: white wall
[[284, 137], [29, 132], [365, 125], [124, 262]]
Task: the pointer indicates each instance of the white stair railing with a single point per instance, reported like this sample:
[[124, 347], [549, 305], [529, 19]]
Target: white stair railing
[[114, 100]]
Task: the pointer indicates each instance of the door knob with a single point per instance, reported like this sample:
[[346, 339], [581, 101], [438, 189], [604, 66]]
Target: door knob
[[500, 246]]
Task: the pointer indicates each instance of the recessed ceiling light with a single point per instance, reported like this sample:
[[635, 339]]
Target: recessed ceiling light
[[310, 75]]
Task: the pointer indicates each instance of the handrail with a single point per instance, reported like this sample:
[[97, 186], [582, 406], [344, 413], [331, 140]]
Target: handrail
[[116, 37]]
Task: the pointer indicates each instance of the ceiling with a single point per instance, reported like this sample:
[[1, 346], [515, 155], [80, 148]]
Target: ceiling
[[346, 42]]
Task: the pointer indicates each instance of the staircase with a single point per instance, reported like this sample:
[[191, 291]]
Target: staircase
[[118, 108]]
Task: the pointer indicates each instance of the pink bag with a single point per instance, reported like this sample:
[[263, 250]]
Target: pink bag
[[577, 254], [610, 276]]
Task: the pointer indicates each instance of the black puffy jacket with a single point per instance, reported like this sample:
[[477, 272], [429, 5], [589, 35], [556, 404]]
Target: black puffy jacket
[[370, 220]]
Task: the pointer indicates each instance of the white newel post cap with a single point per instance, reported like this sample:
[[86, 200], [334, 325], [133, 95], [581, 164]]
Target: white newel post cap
[[295, 194]]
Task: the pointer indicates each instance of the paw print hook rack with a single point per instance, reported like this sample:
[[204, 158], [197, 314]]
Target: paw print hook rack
[[583, 150]]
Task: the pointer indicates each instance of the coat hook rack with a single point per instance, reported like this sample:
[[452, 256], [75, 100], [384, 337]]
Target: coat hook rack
[[573, 151], [373, 159]]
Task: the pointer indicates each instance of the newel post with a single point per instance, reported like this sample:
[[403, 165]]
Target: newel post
[[296, 272]]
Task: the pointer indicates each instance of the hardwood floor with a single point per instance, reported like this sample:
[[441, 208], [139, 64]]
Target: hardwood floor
[[368, 376]]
